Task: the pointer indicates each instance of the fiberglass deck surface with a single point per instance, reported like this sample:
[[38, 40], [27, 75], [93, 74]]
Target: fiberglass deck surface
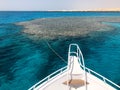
[[58, 83]]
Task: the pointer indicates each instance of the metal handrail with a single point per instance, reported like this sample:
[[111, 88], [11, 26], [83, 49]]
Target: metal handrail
[[80, 57], [61, 70], [89, 71], [103, 78]]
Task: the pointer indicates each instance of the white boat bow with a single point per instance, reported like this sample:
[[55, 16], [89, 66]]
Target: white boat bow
[[75, 76]]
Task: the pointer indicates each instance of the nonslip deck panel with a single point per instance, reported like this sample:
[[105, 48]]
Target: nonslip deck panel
[[75, 83]]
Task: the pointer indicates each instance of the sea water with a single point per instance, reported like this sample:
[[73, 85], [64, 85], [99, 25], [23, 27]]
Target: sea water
[[23, 61]]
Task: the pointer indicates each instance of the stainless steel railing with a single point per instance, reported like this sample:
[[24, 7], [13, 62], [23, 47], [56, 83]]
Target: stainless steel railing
[[79, 54], [48, 78], [75, 50], [107, 81]]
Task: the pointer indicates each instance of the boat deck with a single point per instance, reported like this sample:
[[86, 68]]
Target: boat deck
[[60, 81]]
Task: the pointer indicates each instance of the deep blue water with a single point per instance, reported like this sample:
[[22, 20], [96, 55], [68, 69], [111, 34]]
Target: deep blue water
[[23, 62], [11, 17]]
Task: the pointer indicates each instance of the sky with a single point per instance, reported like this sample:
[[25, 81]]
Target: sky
[[57, 5]]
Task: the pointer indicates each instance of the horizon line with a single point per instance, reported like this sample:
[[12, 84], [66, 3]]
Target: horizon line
[[65, 10]]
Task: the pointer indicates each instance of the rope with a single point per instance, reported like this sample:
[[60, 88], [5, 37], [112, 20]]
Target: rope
[[50, 47]]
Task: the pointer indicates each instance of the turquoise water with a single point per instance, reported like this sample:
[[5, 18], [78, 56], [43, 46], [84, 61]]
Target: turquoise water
[[23, 62], [14, 16]]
